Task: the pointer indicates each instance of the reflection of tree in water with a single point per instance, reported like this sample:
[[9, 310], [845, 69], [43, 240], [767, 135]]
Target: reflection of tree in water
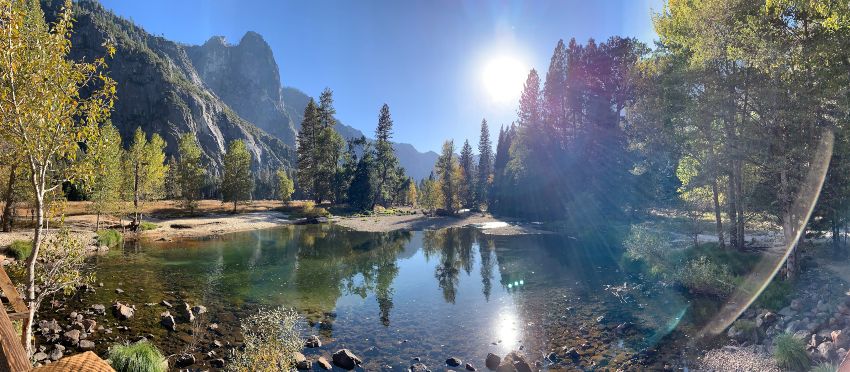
[[454, 247], [485, 251]]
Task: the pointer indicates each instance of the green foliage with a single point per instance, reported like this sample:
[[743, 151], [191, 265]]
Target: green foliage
[[466, 186], [748, 328], [449, 175], [137, 357], [104, 156], [485, 166], [776, 296], [310, 210], [237, 182], [790, 353], [651, 247], [190, 171], [271, 337], [430, 195], [146, 225], [705, 276], [361, 192], [824, 367], [21, 249], [385, 161], [146, 169], [109, 238], [285, 185]]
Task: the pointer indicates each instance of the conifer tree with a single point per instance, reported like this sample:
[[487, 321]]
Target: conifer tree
[[447, 170], [485, 165], [385, 159], [306, 151], [328, 146], [468, 174], [361, 193], [237, 182]]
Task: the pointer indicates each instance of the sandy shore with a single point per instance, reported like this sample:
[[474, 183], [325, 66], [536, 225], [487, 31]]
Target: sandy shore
[[416, 222], [196, 227]]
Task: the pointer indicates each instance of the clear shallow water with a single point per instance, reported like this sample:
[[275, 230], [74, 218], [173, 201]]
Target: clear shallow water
[[394, 296]]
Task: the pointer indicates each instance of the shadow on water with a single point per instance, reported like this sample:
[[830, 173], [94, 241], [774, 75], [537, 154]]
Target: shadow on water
[[394, 296]]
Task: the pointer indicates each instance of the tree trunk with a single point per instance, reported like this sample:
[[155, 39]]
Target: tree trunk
[[36, 245], [732, 210], [97, 223], [9, 207], [136, 215], [739, 203], [717, 214]]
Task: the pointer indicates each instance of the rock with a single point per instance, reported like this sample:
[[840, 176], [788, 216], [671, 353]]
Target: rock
[[73, 315], [72, 337], [119, 290], [312, 341], [324, 364], [56, 354], [470, 367], [86, 345], [167, 321], [300, 361], [184, 360], [345, 359], [99, 309], [217, 363], [89, 325], [213, 327], [572, 353], [506, 367], [39, 356], [187, 312], [122, 312], [166, 304], [492, 362], [796, 304], [453, 362], [198, 309], [418, 367], [623, 328], [59, 347], [827, 350], [217, 343]]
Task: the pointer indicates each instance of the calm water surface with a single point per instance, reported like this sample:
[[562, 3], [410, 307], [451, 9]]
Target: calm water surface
[[391, 297]]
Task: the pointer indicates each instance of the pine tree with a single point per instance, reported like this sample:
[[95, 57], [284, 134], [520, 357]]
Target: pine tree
[[468, 174], [485, 166], [447, 169], [306, 151], [328, 147], [190, 172], [361, 193], [237, 182], [385, 159]]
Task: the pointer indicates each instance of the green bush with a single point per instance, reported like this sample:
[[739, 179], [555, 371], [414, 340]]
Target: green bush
[[824, 367], [21, 249], [790, 353], [145, 225], [776, 296], [109, 238], [704, 276], [137, 357], [650, 247], [270, 339]]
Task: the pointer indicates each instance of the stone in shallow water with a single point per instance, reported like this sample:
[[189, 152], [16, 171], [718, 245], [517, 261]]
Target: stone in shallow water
[[492, 362], [56, 354], [301, 361], [199, 309], [167, 321], [312, 341], [322, 362], [453, 362], [418, 367], [470, 367], [217, 363], [184, 360], [86, 345], [345, 359], [122, 312]]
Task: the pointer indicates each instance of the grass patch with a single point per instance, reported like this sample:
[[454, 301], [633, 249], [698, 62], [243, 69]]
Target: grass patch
[[825, 367], [776, 296], [145, 226], [138, 357], [738, 262], [271, 337], [790, 353], [20, 249], [109, 238], [704, 276]]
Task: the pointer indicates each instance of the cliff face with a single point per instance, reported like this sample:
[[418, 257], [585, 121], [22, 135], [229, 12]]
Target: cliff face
[[160, 90]]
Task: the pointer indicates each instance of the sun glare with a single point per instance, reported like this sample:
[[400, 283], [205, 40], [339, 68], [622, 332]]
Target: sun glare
[[503, 78]]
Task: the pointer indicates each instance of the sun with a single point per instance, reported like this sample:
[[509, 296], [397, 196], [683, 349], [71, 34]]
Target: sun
[[503, 78]]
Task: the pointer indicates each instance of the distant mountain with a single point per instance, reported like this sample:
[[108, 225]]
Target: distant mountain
[[160, 90]]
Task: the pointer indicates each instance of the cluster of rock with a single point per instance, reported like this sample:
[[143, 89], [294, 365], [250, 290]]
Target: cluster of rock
[[76, 334]]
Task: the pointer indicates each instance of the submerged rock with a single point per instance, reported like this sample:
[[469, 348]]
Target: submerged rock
[[492, 362], [312, 341], [345, 359], [217, 363], [199, 309], [300, 361], [418, 367], [322, 362], [72, 337], [470, 367], [453, 362], [122, 312], [184, 360], [167, 321], [98, 309]]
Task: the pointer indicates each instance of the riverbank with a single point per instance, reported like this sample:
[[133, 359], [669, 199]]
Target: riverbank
[[418, 222]]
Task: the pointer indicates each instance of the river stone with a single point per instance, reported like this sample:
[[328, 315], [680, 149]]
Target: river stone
[[345, 359], [300, 361], [312, 341], [39, 356], [72, 337], [99, 309], [453, 362], [322, 362], [166, 304], [184, 360], [86, 345], [167, 321], [470, 367], [119, 290], [56, 354], [217, 363], [827, 350], [199, 309], [122, 312], [492, 362], [89, 325], [418, 367], [187, 312]]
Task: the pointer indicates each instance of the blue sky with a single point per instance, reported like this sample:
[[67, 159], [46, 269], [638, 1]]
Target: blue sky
[[423, 58]]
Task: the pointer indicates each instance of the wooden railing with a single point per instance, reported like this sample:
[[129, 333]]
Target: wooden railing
[[14, 357]]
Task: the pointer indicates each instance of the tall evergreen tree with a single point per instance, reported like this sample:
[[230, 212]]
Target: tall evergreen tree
[[447, 171], [328, 149], [385, 159], [485, 165], [306, 151], [237, 182], [467, 167], [361, 193]]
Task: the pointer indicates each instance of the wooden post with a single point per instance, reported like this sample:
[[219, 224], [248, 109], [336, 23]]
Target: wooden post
[[13, 357]]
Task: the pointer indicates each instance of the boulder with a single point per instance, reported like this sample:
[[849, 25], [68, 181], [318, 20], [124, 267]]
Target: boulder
[[324, 364], [453, 362], [492, 362], [827, 350], [312, 341], [470, 367], [199, 309], [72, 337], [345, 359], [86, 345], [418, 367], [187, 313], [89, 325], [39, 356], [301, 361], [98, 309], [56, 354], [217, 363], [167, 321], [122, 312], [184, 360]]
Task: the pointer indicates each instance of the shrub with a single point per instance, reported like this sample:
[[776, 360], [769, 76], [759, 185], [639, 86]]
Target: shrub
[[704, 276], [310, 210], [824, 367], [109, 238], [21, 249], [748, 329], [271, 336], [790, 353], [145, 225], [138, 357], [651, 247], [776, 295]]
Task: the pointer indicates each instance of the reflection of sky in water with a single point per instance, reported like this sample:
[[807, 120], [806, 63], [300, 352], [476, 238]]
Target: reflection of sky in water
[[398, 296]]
